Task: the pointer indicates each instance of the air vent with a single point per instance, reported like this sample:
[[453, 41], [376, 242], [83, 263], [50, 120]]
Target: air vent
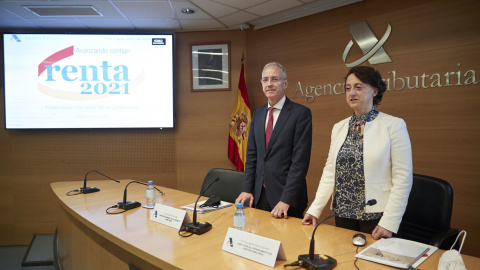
[[62, 11]]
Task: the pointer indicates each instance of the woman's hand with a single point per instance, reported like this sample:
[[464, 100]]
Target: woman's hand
[[309, 219], [381, 232]]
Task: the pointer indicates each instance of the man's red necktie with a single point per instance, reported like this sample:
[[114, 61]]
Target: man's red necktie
[[268, 132]]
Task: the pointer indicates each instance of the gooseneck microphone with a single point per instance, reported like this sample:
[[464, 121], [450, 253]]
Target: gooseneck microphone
[[127, 205], [320, 261], [197, 227], [86, 189]]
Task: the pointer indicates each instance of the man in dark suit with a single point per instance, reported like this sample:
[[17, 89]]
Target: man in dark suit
[[278, 150]]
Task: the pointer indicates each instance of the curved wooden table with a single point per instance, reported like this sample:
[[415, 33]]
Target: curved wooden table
[[88, 238]]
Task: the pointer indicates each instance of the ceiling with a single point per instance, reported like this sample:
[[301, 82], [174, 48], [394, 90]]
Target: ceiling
[[210, 15]]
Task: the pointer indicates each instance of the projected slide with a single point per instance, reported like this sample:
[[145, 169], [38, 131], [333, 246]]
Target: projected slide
[[88, 81]]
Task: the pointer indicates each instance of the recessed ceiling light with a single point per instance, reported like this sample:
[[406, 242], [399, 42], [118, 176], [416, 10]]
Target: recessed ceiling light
[[188, 11], [52, 11]]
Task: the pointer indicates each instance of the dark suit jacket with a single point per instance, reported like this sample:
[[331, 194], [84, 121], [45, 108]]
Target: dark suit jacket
[[284, 164]]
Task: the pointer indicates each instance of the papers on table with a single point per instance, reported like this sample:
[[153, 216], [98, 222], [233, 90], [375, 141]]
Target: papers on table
[[201, 210], [397, 252]]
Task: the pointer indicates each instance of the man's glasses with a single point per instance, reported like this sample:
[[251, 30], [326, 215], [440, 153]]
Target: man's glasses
[[273, 80]]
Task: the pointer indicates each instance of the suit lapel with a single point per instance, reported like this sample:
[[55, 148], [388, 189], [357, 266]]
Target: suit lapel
[[260, 125], [281, 121]]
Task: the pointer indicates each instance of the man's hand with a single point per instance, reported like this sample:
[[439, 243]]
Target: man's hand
[[280, 208], [381, 232], [309, 219], [243, 197]]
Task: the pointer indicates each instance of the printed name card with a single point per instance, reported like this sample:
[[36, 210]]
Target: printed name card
[[254, 247], [169, 216]]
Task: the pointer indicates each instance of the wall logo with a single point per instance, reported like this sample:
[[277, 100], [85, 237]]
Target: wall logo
[[462, 75], [368, 43]]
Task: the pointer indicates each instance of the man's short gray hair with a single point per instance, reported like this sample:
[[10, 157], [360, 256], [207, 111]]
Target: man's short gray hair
[[284, 72]]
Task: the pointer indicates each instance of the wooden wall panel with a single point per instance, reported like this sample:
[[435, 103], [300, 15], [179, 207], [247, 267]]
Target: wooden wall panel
[[431, 36], [428, 37], [203, 117]]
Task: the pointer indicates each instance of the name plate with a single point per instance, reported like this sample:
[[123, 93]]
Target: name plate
[[169, 216], [254, 247]]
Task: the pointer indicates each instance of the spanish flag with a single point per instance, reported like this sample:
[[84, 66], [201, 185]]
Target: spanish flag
[[239, 125]]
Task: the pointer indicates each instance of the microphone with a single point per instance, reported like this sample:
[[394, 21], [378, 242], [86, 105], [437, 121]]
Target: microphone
[[197, 227], [86, 189], [320, 261], [127, 205]]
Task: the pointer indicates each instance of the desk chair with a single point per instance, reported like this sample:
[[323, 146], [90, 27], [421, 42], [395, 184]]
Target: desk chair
[[429, 212], [227, 188]]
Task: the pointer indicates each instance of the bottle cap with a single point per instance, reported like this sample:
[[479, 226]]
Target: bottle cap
[[239, 205], [150, 182]]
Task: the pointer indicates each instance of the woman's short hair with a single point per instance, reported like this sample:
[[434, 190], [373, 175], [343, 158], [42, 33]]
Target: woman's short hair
[[284, 72], [372, 77]]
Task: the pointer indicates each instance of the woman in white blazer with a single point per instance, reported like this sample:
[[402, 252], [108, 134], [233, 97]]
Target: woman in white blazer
[[370, 157]]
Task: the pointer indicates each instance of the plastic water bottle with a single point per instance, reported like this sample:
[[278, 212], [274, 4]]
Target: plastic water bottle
[[150, 195], [239, 217]]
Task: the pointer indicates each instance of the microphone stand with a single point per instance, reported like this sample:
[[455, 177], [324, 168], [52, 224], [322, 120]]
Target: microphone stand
[[319, 261], [197, 227], [127, 205], [86, 190]]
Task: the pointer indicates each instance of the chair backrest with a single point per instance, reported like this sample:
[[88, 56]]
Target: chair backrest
[[429, 209], [227, 188]]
